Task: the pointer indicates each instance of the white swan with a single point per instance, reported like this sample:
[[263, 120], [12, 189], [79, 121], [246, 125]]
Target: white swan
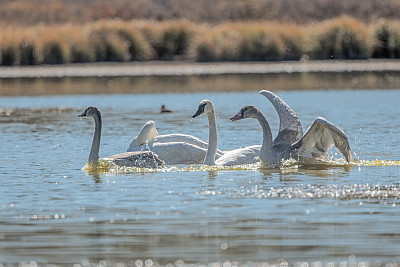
[[131, 159], [149, 131], [171, 148], [238, 156], [314, 144]]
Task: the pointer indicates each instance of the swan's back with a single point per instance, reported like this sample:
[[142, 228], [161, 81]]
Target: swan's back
[[179, 152], [184, 138], [166, 138], [240, 156]]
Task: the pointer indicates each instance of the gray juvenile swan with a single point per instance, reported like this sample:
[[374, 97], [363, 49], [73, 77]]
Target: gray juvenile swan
[[314, 144], [171, 148], [245, 155], [145, 159]]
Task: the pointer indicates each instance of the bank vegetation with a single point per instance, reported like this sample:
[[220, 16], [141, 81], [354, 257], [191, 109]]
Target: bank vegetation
[[142, 40]]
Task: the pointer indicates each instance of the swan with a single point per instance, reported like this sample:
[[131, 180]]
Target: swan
[[314, 144], [141, 159], [171, 148], [238, 156], [149, 131]]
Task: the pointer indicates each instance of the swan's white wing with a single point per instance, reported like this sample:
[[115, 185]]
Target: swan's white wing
[[290, 129], [148, 130], [166, 138], [153, 132], [179, 153], [240, 156], [319, 138], [133, 148], [140, 159], [185, 138]]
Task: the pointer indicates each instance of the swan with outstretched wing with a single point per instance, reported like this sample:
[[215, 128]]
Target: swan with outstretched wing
[[314, 144]]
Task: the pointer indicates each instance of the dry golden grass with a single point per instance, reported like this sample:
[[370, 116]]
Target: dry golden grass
[[138, 40], [340, 38], [57, 32], [248, 41]]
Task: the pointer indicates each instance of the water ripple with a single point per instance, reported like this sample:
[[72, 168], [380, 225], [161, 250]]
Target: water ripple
[[343, 192], [18, 112]]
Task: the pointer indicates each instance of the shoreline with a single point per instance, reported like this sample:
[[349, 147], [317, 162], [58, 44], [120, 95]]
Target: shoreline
[[179, 68]]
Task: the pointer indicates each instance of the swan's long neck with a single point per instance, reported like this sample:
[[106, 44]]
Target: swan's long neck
[[212, 139], [94, 151], [266, 152]]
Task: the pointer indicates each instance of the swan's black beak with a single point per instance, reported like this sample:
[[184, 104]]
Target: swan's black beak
[[199, 111], [83, 114], [238, 116]]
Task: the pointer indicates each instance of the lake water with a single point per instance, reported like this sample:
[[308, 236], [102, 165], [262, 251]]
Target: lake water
[[53, 212]]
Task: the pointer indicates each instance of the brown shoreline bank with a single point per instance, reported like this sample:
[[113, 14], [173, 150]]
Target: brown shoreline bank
[[189, 68]]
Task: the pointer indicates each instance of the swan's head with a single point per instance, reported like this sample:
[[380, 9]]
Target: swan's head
[[248, 111], [90, 111], [205, 106]]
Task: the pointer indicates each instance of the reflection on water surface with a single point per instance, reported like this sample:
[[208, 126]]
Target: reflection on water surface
[[199, 83]]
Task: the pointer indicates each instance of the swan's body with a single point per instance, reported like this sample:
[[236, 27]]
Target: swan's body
[[314, 144], [246, 155], [171, 148], [145, 159], [240, 156]]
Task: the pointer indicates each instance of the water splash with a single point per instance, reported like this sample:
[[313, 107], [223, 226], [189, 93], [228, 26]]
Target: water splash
[[306, 163], [104, 166], [244, 167], [108, 167]]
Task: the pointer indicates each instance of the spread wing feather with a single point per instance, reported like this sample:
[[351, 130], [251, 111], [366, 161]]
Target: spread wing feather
[[319, 138], [290, 129]]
